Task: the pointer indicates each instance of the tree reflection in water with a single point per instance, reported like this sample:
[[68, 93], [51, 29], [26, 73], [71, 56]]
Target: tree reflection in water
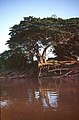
[[49, 95], [32, 99]]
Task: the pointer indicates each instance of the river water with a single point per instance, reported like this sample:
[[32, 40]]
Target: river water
[[43, 99]]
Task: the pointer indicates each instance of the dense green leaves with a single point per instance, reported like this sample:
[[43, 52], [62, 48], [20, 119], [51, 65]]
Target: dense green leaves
[[32, 35]]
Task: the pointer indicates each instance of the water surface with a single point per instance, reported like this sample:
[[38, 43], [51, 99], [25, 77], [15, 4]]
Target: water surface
[[43, 99]]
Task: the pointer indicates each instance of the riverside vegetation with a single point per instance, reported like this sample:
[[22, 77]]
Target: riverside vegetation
[[33, 35]]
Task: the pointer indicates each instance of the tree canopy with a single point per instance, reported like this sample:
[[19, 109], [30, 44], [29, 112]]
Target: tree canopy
[[33, 34]]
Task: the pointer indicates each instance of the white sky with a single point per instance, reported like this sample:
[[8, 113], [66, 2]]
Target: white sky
[[13, 11]]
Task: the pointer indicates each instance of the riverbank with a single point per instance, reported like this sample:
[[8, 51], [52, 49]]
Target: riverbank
[[19, 73], [70, 70]]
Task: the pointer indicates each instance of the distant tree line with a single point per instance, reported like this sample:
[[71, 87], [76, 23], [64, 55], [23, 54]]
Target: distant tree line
[[33, 34]]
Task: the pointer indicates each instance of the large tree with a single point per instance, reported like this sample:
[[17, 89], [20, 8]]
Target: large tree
[[34, 34]]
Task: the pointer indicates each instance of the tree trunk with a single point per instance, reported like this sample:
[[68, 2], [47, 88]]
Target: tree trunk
[[39, 58], [44, 54], [38, 55]]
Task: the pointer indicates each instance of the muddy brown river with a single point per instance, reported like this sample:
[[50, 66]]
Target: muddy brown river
[[43, 99]]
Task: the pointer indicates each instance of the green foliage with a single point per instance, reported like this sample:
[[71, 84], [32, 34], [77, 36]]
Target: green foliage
[[33, 34]]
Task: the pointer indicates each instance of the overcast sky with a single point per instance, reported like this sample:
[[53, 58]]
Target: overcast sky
[[13, 11]]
